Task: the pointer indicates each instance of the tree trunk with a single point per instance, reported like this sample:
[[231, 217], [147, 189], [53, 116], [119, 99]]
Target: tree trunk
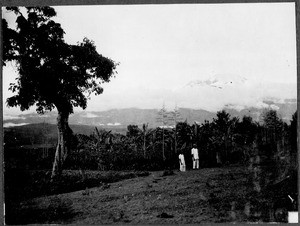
[[163, 148], [175, 140], [145, 127], [63, 144], [144, 145]]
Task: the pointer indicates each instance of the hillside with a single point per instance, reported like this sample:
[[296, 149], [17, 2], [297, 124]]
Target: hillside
[[121, 118], [44, 133], [209, 195]]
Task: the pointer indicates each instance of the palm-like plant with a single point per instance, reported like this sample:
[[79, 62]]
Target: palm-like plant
[[175, 117], [147, 136], [224, 128], [184, 134], [163, 118]]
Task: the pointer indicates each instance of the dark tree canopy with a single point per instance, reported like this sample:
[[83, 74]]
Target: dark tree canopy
[[133, 131], [293, 129], [52, 73], [272, 121], [222, 121]]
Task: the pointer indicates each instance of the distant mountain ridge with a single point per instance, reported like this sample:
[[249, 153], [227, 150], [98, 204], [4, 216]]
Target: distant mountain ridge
[[120, 118]]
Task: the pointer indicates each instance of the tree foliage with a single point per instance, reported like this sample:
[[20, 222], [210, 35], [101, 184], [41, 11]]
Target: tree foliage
[[293, 131], [139, 148], [232, 140], [52, 73]]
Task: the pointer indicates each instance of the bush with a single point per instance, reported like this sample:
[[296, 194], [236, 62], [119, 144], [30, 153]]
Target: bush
[[167, 173], [57, 211]]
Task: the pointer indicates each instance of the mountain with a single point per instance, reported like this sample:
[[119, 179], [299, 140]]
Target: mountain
[[121, 118], [219, 81], [115, 118], [237, 92]]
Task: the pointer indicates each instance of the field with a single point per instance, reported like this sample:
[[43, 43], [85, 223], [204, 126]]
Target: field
[[208, 195]]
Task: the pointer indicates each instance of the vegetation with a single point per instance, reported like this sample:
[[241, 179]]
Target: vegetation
[[265, 152], [223, 141], [21, 186], [52, 73], [210, 195]]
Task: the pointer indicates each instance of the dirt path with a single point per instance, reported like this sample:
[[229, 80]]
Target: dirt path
[[200, 196]]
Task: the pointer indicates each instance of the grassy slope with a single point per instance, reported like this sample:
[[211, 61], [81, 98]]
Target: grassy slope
[[206, 195]]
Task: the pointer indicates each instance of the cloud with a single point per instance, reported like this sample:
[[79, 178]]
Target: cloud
[[178, 46], [236, 92], [114, 124], [12, 117], [90, 115], [10, 124], [40, 116], [274, 107]]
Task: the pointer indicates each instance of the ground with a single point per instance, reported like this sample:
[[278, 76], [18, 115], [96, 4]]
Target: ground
[[209, 195]]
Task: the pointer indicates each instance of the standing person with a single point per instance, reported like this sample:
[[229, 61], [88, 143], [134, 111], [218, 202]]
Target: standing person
[[195, 157], [181, 162]]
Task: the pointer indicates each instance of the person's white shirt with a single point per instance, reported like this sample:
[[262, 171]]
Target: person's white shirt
[[195, 153], [181, 157]]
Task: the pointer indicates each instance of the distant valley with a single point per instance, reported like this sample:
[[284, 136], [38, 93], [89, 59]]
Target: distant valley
[[120, 118]]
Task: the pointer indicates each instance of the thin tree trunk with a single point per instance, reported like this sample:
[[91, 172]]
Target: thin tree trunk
[[63, 144], [175, 140], [164, 158], [144, 145], [145, 127]]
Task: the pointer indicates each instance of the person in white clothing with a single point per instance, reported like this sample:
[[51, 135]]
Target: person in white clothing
[[195, 157], [181, 162]]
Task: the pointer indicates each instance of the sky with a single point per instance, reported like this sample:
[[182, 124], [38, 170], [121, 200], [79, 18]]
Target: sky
[[201, 56]]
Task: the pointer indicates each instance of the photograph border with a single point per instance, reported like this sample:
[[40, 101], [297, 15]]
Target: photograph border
[[4, 3]]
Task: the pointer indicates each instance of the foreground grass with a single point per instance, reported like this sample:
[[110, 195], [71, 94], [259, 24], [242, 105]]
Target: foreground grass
[[201, 196], [25, 184], [22, 186]]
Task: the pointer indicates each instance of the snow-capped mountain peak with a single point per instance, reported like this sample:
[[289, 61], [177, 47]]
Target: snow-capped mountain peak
[[219, 81]]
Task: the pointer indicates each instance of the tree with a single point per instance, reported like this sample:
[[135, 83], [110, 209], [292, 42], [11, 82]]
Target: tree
[[175, 117], [244, 136], [247, 130], [184, 134], [208, 142], [224, 127], [52, 73], [293, 131], [273, 125], [163, 118], [145, 133], [133, 131]]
